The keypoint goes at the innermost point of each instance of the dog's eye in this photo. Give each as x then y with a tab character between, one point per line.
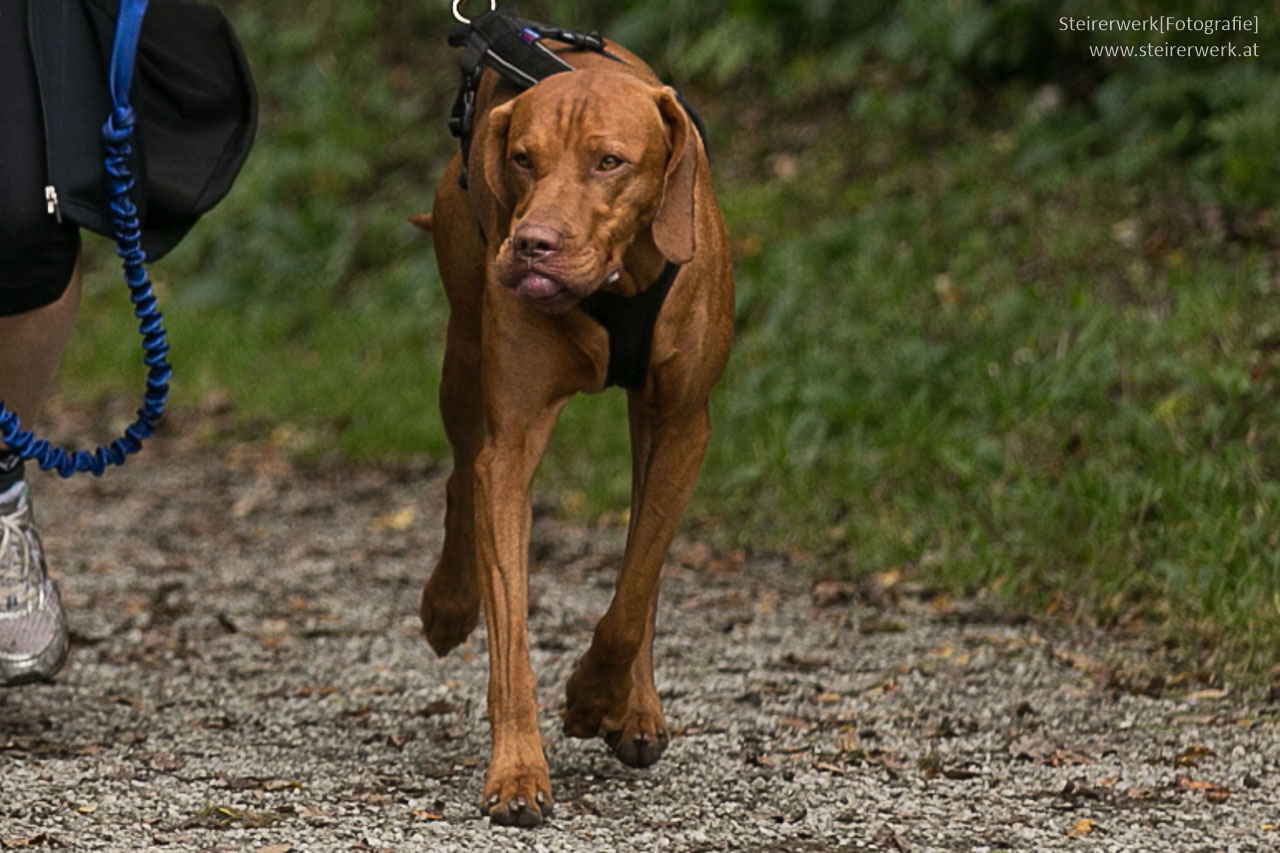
522	160
608	163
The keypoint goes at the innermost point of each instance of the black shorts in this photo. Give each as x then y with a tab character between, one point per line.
37	253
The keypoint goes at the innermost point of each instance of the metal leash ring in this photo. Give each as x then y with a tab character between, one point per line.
493	5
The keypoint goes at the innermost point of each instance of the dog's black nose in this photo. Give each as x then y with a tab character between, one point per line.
536	241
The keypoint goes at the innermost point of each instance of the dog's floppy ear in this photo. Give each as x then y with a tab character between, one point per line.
673	223
494	153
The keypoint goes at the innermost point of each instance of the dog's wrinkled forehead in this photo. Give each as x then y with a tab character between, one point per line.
589	104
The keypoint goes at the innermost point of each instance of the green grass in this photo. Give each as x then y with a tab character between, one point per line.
964	348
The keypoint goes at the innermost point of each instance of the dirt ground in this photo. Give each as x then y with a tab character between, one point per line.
248	673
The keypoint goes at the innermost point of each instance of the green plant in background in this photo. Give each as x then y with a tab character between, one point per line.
1008	314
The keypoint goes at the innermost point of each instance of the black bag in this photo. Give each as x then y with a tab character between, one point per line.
193	95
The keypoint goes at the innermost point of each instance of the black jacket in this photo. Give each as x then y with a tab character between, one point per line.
192	92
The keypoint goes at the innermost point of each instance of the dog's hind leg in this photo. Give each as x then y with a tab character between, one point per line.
450	605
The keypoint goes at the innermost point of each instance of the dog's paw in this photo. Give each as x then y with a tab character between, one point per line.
519	800
587	703
640	742
450	606
633	728
447	621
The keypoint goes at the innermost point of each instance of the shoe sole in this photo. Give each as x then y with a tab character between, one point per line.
40	670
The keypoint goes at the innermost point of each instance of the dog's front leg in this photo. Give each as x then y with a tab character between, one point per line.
611	692
517	788
522	402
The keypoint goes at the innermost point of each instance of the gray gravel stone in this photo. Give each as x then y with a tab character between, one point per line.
248	674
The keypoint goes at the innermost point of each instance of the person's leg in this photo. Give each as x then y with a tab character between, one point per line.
33	625
39	294
31	347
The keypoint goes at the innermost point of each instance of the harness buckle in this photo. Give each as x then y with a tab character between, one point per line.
493	5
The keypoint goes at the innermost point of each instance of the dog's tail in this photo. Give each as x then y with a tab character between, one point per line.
422	220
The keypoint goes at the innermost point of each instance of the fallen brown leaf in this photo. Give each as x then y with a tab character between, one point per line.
795	723
1193	784
357	713
1138	794
319	690
887	579
1192	755
1067	757
439	706
1034	746
729	564
311	812
848	742
961	773
833	593
876	625
1079	662
1081	828
1079	789
804	664
1214	793
399	521
696	555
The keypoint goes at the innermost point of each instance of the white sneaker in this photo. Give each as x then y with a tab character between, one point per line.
33	625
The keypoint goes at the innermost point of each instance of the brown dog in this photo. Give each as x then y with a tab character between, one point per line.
592	180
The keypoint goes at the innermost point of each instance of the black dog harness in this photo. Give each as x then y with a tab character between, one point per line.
513	47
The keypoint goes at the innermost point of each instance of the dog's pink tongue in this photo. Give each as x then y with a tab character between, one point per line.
534	286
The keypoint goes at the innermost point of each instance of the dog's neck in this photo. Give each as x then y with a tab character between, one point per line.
642	263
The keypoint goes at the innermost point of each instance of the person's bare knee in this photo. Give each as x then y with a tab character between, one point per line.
31	346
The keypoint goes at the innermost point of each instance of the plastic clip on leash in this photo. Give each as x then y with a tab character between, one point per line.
117	138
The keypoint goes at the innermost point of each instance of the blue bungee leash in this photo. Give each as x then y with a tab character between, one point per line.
117	138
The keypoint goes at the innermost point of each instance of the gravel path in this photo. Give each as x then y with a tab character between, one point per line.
248	674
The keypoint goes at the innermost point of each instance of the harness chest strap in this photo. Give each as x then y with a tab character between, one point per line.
629	322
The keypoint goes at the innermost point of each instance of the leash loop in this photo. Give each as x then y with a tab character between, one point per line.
493	5
117	139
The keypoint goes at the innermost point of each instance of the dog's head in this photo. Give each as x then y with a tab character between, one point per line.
580	166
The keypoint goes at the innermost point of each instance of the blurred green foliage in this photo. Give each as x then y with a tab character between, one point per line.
1008	313
943	62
